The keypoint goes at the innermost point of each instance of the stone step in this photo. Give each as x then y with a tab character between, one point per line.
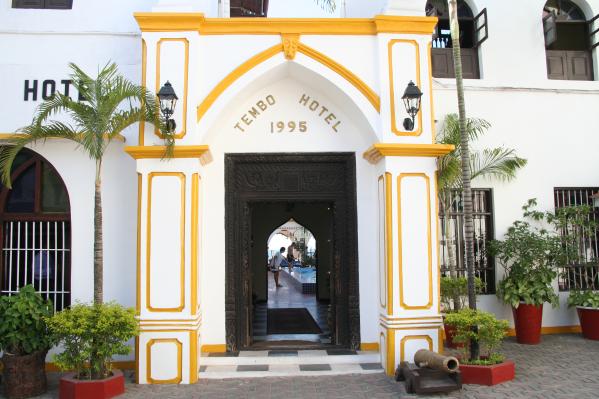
287	370
296	358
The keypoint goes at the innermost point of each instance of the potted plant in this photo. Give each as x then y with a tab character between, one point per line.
90	335
587	306
531	255
454	297
476	325
25	340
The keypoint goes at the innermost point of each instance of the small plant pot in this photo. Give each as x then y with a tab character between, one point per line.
589	322
528	319
450	332
488	375
24	376
73	388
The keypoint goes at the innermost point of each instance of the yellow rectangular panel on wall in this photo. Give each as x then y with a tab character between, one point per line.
414	241
382	255
404	66
169	53
165	251
164	363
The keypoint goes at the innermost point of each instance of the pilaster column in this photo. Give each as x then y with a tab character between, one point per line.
409	305
408	261
168	239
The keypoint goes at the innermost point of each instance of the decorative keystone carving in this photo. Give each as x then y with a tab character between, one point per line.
290	44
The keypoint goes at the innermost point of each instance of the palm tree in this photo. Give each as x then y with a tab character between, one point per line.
495	163
465	162
111	104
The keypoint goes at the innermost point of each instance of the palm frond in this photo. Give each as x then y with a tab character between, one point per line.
327	5
29	135
499	163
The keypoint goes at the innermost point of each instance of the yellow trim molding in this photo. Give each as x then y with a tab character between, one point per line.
402	302
195	183
259	58
389	239
181	306
392	87
233	76
290	42
390	352
552	330
214	348
8	136
159	151
402	343
193	357
183	131
375	153
369	346
138	263
144	62
178	22
179	376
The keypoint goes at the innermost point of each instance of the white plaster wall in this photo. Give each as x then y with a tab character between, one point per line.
556	132
106	16
223	137
119	196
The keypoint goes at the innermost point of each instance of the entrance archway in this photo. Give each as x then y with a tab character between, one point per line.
316	177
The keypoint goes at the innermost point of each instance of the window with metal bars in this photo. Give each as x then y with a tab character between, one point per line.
35	231
44	4
582	275
452	251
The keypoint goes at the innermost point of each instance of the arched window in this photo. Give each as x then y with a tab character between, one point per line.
569	41
473	32
35	231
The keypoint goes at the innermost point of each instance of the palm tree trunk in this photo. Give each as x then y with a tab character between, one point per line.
465	152
98	244
446	200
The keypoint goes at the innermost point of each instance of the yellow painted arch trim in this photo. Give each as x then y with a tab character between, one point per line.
259	58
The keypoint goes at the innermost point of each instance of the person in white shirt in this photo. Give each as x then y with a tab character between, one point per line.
277	262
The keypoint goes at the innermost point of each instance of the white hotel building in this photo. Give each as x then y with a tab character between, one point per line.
295	115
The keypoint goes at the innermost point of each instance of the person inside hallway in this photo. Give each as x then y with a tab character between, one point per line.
277	262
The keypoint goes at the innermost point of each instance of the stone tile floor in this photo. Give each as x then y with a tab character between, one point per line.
562	366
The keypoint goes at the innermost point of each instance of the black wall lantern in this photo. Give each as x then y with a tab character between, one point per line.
168	101
411	100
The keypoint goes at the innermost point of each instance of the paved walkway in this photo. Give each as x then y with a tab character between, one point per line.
562	366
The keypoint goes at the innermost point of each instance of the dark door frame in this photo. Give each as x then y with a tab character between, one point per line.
304	177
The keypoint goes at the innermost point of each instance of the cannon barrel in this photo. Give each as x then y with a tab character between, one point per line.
433	360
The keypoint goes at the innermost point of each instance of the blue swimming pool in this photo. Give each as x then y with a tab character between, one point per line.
304	274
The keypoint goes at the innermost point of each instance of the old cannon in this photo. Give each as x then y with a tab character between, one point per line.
430	373
433	360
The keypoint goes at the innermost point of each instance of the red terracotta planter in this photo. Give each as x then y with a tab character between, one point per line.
449	334
528	319
488	375
72	388
589	322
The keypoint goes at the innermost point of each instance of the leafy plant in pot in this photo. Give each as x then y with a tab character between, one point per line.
587	307
90	336
25	340
454	297
530	255
490	368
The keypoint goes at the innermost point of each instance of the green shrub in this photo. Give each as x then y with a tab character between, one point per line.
90	335
587	299
482	327
454	292
531	254
23	328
